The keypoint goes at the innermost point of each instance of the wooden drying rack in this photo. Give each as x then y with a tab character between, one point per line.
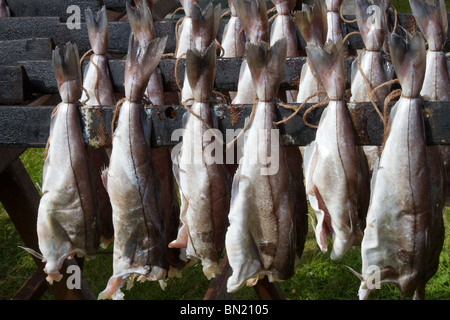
25	118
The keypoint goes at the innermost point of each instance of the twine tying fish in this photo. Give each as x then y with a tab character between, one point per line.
90	51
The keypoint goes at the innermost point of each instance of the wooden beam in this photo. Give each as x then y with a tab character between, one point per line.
14	28
218	287
12	85
48	8
29	126
33	288
25	49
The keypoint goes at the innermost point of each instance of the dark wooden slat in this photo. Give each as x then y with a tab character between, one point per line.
21	201
52	27
268	290
57	8
33	288
12	85
25	49
29	126
218	287
9	155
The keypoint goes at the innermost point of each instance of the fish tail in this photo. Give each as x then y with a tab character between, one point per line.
205	25
253	16
142	60
97	26
267	67
328	64
66	66
312	22
141	22
432	21
371	19
187	6
409	59
201	70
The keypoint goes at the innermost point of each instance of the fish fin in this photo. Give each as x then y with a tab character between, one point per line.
205	25
328	64
432	21
97	26
312	22
187	6
360	276
33	253
66	65
409	60
201	70
141	22
253	17
142	60
267	67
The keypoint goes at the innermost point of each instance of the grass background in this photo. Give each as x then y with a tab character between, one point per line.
317	277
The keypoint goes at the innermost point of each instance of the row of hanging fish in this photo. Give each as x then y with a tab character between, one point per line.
255	210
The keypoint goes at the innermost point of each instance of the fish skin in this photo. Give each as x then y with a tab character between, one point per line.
334	32
261	237
185	36
204	184
336	170
68	211
312	23
132	183
401	211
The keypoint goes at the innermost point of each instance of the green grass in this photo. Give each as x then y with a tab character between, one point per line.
403	5
317	277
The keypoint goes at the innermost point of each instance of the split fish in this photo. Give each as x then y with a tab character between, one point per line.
398	244
67	222
143	28
98	91
261	237
312	24
131	181
204	182
432	20
377	70
336	170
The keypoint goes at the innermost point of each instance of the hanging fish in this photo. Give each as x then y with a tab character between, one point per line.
98	91
204	182
131	181
312	24
261	237
142	26
432	20
67	222
336	170
253	16
374	67
185	29
396	244
334	21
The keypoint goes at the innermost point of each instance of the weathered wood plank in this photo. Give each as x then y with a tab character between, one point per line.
25	49
29	126
48	8
12	85
41	77
33	288
56	29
